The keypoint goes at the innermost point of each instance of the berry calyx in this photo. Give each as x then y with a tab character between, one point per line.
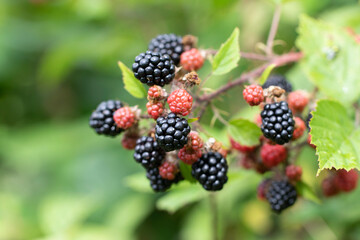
180	102
299	128
168	170
241	148
272	155
191	60
346	180
253	95
293	172
124	117
297	101
281	195
155	110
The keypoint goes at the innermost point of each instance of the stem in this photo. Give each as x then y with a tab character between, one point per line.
246	55
214	212
273	30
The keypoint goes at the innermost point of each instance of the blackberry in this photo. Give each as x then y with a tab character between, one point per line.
169	44
153	68
171	132
102	118
159	184
210	170
277	80
277	122
148	152
281	195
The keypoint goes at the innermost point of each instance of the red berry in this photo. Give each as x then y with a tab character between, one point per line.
180	102
241	148
293	172
308	140
191	152
346	180
260	168
272	155
129	141
124	117
247	162
261	189
299	128
155	93
297	101
155	109
328	187
168	170
253	95
191	60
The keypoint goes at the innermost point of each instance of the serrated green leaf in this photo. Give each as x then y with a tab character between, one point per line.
132	85
336	139
228	55
266	74
185	170
181	196
331	59
306	192
244	131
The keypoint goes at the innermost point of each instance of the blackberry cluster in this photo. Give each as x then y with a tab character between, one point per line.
281	195
277	80
171	132
169	44
148	152
277	122
159	184
210	170
154	68
102	118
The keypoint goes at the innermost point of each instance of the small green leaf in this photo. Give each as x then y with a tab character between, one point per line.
181	196
336	139
244	131
228	56
266	74
305	190
138	182
132	85
185	170
191	120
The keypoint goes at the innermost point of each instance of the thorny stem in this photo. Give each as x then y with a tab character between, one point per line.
214	212
273	30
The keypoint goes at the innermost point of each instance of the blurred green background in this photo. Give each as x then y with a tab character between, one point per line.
59	180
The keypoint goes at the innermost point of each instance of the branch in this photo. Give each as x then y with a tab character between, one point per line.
246	55
273	30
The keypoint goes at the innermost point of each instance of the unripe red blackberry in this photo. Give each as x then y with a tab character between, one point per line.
247	162
191	60
124	117
169	44
253	95
155	110
191	152
329	188
281	195
156	93
299	128
293	172
180	102
272	155
129	140
297	101
241	148
261	189
346	180
168	170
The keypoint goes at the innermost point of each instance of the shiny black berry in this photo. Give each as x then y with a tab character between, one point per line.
159	184
102	118
210	170
148	153
171	132
277	122
277	80
281	195
153	68
169	44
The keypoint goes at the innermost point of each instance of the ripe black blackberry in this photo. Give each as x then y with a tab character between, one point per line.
210	170
277	80
171	132
159	184
148	152
102	118
277	122
154	68
169	44
281	195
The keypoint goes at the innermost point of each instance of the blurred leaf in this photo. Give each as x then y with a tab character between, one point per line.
139	182
132	85
191	120
244	131
305	191
228	55
180	196
266	74
331	59
333	133
185	170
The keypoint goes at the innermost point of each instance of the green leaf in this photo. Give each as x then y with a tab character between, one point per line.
336	139
244	131
305	190
185	170
132	85
180	196
331	59
266	74
228	56
191	120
